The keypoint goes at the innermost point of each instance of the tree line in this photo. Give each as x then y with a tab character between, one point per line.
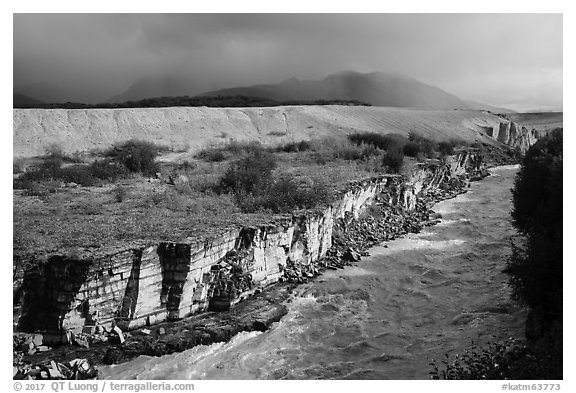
220	101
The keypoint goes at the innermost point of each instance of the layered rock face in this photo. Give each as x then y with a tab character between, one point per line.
515	136
509	133
168	281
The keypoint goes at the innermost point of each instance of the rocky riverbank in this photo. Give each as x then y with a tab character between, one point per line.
385	220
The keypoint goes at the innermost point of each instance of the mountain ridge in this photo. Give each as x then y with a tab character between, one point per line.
376	88
387	89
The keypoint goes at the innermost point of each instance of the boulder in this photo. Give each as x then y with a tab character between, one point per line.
81	340
89	329
351	255
118	332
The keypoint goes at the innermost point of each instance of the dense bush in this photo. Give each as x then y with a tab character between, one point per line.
107	169
411	149
330	149
137	156
82	174
381	141
222	152
351	152
250	174
251	181
427	146
393	160
447	148
51	169
79	174
211	155
536	269
414	146
132	156
294	147
289	193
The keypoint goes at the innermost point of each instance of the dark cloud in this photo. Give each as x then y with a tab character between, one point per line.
500	59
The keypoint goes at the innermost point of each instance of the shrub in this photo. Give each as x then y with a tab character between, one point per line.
217	153
293	147
107	169
343	149
349	152
137	156
251	181
249	174
211	155
186	166
51	170
426	146
79	174
393	160
42	190
508	359
446	148
536	271
289	193
411	149
383	142
369	151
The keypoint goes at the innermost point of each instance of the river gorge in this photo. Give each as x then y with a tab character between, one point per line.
412	300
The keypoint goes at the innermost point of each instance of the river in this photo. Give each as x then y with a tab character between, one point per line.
412	300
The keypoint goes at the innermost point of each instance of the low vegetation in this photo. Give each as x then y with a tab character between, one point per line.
252	181
415	145
225	151
508	359
130	157
137	156
132	191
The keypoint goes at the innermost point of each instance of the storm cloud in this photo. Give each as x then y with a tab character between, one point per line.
510	60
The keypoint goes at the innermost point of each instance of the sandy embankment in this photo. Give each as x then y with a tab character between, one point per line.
191	128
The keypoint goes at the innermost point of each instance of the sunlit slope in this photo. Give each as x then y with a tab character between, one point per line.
191	128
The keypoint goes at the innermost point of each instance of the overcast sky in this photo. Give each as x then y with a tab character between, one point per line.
509	60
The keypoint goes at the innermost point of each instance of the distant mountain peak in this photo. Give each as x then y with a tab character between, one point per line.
377	88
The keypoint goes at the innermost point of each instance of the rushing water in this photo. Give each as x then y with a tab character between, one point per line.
413	300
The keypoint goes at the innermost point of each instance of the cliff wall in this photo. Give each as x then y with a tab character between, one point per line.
168	281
